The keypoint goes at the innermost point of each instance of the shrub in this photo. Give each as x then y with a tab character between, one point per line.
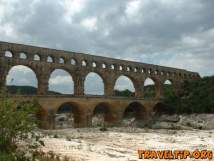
18	139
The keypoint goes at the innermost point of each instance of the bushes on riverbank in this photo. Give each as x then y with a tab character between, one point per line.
18	139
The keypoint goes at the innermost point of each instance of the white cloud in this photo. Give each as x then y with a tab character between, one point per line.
132	8
191	41
124	83
1	12
93	84
61	81
191	62
73	7
62	84
148	81
66	80
21	76
8	31
90	23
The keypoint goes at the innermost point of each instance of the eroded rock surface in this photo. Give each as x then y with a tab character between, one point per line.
193	121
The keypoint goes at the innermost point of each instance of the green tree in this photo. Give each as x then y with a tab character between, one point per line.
16	126
19	139
124	93
197	97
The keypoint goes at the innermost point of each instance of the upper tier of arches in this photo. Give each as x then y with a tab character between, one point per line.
58	79
100	64
79	66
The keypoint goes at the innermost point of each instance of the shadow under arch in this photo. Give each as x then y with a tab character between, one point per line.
26	80
135	110
102	114
161	108
135	114
68	115
127	91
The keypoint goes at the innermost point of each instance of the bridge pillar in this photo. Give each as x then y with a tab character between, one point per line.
50	119
159	90
109	90
3	73
78	85
149	105
43	78
139	88
42	86
2	77
45	118
84	121
177	89
108	87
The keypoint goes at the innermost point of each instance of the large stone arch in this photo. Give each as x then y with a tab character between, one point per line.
40	70
102	114
169	87
158	86
51	69
101	80
30	66
8	54
68	73
134	114
168	80
73	114
129	78
32	69
176	85
161	108
150	83
135	109
108	80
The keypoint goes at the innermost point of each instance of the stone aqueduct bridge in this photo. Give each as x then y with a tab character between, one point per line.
44	61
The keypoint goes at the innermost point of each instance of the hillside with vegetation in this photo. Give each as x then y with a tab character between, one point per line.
197	97
124	93
28	90
149	91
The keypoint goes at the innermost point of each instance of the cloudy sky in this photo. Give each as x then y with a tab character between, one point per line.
176	33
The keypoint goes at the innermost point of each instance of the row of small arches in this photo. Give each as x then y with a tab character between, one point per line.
37	57
84	63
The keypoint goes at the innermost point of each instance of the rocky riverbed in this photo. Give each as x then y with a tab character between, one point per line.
193	121
121	143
